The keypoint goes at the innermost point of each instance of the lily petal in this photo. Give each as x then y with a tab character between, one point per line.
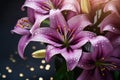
114	39
51	51
39	19
57	20
86	75
31	15
72	58
114	58
97	4
71	5
35	5
20	31
79	22
81	38
101	47
47	35
86	61
22	45
22	26
111	23
113	6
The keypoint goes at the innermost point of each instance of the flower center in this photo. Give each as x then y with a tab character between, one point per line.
98	63
66	36
105	65
66	43
24	23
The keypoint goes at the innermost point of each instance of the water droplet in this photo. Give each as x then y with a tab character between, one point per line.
96	45
76	59
114	28
90	35
25	43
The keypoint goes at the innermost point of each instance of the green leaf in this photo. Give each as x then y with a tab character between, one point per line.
46	22
61	70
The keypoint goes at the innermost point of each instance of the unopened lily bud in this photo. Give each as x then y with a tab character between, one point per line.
85	6
39	54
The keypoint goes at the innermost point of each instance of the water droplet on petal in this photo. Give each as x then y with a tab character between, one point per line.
96	45
113	28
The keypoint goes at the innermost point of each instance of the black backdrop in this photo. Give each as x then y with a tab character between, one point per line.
12	67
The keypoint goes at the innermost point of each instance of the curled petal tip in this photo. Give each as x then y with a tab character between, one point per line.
39	54
12	31
22	8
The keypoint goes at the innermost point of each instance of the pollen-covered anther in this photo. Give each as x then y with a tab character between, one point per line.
69	29
65	12
64	27
57	30
103	74
102	58
73	36
24	20
21	26
58	27
114	66
102	69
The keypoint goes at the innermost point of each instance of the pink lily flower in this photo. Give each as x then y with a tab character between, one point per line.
111	23
42	8
65	38
23	28
99	64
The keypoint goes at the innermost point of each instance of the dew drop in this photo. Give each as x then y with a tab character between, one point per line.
96	45
113	28
76	59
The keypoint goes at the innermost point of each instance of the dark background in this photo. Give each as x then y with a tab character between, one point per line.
10	12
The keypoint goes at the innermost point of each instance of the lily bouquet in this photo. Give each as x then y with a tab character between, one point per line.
83	36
